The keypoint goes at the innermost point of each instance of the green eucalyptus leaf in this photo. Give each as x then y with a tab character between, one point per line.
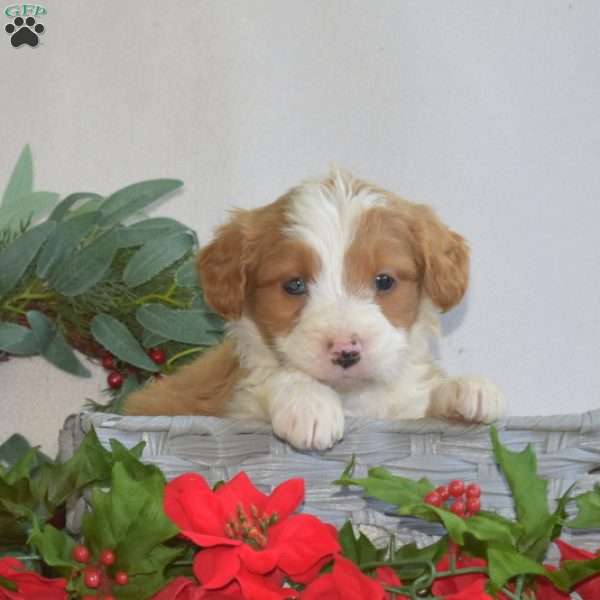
187	275
29	208
149	339
149	229
187	326
63	241
155	256
19	254
117	339
18	340
86	267
21	180
53	346
13	449
133	198
62	209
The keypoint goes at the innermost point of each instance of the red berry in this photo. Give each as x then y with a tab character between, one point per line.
108	362
114	380
107	558
456	488
473	506
473	491
442	490
433	498
158	356
458	508
92	578
81	554
121	578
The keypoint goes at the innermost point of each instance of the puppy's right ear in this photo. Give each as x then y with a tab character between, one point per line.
222	268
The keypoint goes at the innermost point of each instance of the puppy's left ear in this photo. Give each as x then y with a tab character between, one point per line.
445	259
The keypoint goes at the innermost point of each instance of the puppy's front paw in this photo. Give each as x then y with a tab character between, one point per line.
309	417
471	399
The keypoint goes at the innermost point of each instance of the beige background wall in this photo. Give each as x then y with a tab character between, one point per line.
486	110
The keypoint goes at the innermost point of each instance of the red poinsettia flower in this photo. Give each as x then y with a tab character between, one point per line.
247	534
451	587
589	589
345	582
387	576
17	583
183	588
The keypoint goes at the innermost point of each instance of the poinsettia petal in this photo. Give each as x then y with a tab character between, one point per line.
193	506
453	585
354	584
240	490
544	588
216	567
259	561
180	588
285	498
304	540
322	588
256	587
474	591
568	552
311	573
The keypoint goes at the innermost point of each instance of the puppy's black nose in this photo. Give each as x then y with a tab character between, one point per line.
346	359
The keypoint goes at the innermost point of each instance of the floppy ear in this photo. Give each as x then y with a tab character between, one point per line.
445	259
222	268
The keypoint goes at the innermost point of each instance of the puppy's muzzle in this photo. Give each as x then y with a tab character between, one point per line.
346	359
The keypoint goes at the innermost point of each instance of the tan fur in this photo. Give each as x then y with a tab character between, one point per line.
201	388
444	255
382	244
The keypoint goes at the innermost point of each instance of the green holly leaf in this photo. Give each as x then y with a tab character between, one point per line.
530	496
588	515
415	559
90	463
359	550
505	563
55	546
572	572
129	518
381	484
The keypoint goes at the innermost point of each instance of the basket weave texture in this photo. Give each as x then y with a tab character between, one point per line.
567	447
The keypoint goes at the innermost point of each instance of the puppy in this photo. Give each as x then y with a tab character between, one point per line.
332	294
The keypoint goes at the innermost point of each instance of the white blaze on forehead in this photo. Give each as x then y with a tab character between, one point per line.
325	216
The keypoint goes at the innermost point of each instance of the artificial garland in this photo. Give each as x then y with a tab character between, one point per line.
183	540
98	276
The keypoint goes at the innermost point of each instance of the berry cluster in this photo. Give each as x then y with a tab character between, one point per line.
96	576
116	377
464	499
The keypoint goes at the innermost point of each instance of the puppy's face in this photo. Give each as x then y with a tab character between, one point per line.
333	275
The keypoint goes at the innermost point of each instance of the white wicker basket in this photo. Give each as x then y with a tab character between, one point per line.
567	446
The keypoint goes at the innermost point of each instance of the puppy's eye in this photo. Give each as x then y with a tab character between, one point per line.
295	287
384	282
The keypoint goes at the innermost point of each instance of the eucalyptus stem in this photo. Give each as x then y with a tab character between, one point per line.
182	354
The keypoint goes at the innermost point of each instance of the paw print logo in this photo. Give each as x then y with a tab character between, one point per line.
24	32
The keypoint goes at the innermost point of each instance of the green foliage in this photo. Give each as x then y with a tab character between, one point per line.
93	257
588	515
117	339
512	549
